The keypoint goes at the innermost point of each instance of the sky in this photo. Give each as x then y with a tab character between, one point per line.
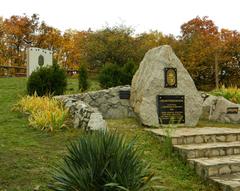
166	16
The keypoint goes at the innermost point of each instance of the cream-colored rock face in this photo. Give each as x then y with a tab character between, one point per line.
148	82
216	109
37	57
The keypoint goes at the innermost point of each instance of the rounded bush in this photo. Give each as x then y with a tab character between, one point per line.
111	75
128	70
102	161
49	80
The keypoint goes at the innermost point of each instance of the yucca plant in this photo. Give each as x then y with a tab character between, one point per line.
102	161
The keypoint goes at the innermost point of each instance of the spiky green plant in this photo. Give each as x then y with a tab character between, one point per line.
102	161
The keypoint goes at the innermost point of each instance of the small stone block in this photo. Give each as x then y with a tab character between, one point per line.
231	138
174	141
225	170
190	140
235	168
179	141
229	151
212	171
184	139
220	138
214	153
236	151
213	138
222	152
208	139
198	139
191	154
207	153
199	154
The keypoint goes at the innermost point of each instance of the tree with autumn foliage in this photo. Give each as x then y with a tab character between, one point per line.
110	45
17	31
73	52
229	57
198	44
3	49
48	37
146	41
20	32
210	55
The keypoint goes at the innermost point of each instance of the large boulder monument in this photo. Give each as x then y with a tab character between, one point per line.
163	92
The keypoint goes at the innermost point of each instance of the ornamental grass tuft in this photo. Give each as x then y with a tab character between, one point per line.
44	112
230	93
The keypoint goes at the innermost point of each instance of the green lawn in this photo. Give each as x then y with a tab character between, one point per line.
26	154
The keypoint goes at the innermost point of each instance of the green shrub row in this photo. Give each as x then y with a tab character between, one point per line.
113	75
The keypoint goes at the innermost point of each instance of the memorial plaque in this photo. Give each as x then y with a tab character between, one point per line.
171	109
232	110
170	76
124	94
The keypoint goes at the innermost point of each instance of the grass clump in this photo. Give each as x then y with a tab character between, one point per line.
102	161
44	113
167	146
230	93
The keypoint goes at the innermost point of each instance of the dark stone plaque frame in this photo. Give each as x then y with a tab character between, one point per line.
232	110
40	60
166	84
124	94
168	115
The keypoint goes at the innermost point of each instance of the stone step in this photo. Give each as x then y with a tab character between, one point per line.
213	152
181	136
229	182
207	167
208	149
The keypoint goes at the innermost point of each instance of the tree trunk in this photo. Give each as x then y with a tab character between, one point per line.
216	71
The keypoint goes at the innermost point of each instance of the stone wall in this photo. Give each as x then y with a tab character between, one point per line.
84	116
106	101
89	109
217	108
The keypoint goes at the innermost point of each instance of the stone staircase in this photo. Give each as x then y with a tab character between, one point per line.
213	152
